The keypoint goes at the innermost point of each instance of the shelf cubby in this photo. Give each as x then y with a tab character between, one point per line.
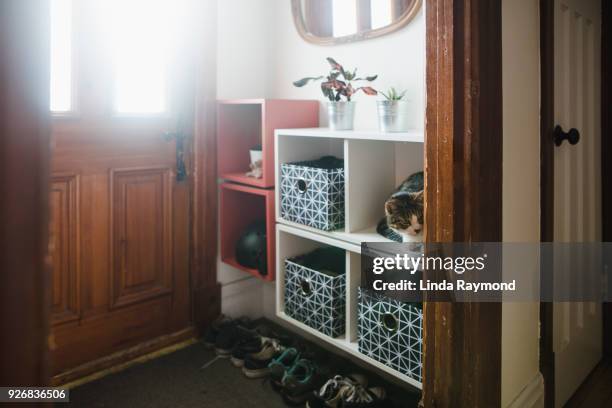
375	163
293	241
245	123
240	207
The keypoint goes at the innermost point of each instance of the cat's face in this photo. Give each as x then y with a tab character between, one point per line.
405	213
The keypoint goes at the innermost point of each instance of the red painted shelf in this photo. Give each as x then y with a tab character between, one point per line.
240	206
244	124
241	125
242	178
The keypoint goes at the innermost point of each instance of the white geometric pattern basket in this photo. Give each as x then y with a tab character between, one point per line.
315	299
391	332
312	196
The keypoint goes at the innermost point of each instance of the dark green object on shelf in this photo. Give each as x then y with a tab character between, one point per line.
251	247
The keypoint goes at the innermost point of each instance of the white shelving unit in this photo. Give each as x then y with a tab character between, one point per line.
374	164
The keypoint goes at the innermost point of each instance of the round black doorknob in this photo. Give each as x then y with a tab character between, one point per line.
573	136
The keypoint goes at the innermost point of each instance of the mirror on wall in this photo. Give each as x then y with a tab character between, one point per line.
340	21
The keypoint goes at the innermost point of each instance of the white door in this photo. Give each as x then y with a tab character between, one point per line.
577	326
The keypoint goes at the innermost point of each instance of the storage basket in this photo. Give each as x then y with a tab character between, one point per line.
312	193
391	332
316	297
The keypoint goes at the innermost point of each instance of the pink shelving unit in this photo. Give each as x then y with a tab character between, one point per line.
246	123
240	207
241	125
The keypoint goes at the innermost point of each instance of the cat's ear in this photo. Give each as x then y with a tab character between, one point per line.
418	196
391	206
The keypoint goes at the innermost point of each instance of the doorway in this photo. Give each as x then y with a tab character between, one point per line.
120	192
574	180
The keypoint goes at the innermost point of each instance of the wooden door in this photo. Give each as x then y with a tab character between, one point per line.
577	193
119	216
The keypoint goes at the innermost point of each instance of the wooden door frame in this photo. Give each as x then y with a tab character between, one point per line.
547	182
547	176
463	162
205	290
24	184
606	153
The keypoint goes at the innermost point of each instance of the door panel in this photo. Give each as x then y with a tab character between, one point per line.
577	196
64	248
121	218
141	240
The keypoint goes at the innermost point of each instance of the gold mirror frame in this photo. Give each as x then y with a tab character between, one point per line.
300	25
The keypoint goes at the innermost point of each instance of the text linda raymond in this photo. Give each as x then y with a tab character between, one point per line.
412	264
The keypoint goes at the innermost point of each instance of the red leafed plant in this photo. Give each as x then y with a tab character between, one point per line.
335	88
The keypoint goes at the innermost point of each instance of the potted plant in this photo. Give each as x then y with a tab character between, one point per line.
393	111
338	85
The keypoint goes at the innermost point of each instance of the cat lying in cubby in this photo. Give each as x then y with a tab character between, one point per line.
403	221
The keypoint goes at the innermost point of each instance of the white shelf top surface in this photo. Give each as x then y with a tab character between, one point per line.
413	135
353	238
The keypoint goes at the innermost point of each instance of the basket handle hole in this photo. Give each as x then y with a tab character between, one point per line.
302	186
306	288
389	322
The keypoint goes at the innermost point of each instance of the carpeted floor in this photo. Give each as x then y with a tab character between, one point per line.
177	380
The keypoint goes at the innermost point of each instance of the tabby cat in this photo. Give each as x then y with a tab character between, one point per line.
404	212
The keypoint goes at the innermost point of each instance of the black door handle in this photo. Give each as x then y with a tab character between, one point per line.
573	136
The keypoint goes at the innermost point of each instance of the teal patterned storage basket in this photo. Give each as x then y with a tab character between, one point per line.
391	332
311	195
315	298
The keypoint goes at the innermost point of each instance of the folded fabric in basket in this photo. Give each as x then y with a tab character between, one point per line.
328	260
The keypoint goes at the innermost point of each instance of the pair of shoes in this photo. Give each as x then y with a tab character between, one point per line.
301	380
255	343
255	364
234	334
210	336
348	392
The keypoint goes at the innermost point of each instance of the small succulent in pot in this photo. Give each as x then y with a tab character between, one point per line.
393	111
393	94
338	85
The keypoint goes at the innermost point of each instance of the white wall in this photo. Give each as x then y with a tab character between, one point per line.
398	59
521	184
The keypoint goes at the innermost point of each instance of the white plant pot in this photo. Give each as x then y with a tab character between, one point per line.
393	116
341	115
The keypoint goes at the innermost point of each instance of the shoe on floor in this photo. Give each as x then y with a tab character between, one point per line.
301	380
210	336
361	397
256	364
245	347
334	391
231	334
281	364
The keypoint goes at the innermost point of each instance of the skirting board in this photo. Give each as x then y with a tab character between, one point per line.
532	396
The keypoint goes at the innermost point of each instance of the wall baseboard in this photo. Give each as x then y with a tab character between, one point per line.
532	396
122	357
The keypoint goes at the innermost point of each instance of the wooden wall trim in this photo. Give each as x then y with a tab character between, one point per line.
547	182
463	150
606	153
24	188
206	292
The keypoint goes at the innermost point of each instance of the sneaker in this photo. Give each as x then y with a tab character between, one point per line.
245	347
334	391
210	336
300	381
361	397
256	364
231	334
281	364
